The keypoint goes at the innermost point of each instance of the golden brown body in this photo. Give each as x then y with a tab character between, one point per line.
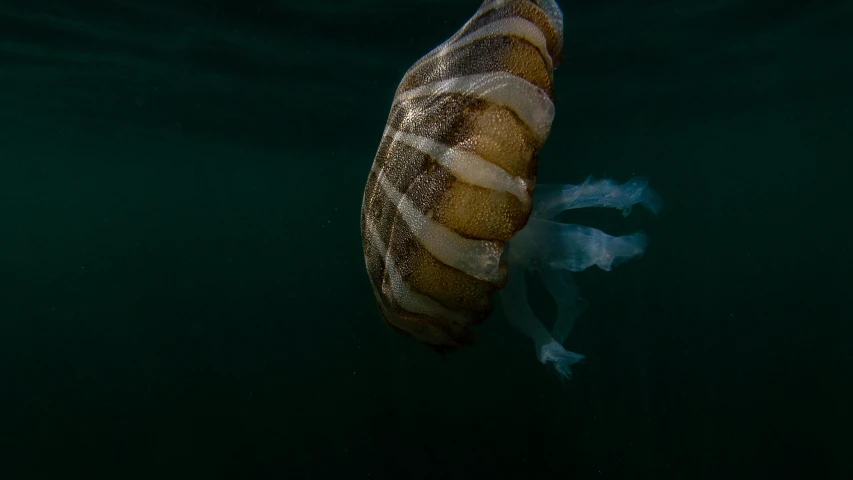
453	177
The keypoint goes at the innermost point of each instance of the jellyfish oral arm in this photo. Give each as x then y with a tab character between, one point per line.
548	344
546	244
553	199
553	249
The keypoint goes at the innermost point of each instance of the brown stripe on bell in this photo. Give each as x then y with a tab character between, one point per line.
438	334
431	192
527	10
424	275
494	53
408	171
450	287
472	124
413	172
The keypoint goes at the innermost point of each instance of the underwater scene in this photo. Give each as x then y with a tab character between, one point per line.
431	239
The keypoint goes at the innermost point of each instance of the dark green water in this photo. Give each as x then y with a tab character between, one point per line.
183	292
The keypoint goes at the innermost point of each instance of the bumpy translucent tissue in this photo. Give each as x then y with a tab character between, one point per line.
552	249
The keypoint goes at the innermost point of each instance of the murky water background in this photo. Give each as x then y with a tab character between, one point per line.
183	288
